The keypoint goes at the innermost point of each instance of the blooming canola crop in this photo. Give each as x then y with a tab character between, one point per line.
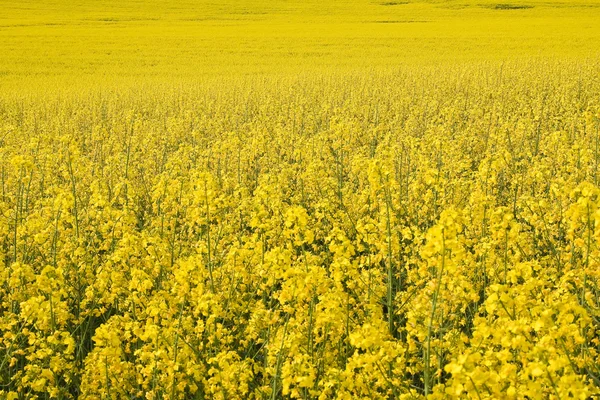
300	227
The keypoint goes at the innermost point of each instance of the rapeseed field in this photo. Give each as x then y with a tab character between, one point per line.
299	200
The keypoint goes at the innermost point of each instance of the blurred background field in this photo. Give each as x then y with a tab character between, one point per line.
78	41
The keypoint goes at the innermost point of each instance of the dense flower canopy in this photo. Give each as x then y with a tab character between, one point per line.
416	233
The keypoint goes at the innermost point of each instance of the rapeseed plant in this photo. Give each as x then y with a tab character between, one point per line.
199	221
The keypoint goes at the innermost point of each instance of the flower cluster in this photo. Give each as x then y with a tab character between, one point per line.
410	235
